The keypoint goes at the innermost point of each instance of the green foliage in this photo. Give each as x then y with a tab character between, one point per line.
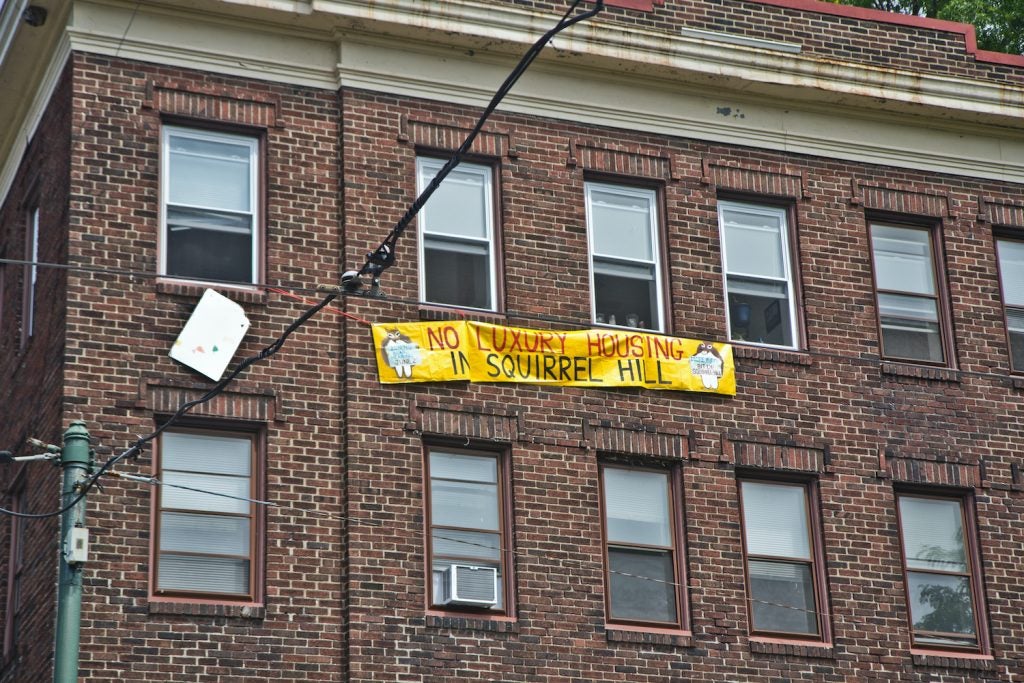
999	24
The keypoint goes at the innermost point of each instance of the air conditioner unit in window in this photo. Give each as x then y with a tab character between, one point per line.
468	585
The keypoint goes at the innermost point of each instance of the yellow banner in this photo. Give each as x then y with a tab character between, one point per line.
447	351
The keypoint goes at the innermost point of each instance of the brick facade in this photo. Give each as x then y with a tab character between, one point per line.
345	575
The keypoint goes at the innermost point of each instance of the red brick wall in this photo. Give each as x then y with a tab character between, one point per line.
828	412
32	377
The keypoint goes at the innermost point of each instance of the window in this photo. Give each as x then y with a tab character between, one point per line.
207	545
785	578
469	527
1011	277
210	205
643	533
457	244
760	301
15	570
625	264
28	320
910	315
939	561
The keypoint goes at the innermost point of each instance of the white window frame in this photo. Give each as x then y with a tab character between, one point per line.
31	274
426	170
782	214
651	197
253	143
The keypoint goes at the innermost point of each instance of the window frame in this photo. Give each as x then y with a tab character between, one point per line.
257	516
256	141
15	567
31	274
505	530
654	193
941	297
972	555
1007	235
819	576
490	171
677	524
786	210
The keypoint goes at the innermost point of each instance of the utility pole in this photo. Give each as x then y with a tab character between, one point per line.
76	463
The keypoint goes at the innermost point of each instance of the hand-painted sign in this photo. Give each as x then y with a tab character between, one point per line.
479	352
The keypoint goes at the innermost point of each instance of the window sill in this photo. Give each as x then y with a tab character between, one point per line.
495	624
799	648
771	354
429	312
619	633
920	371
953	660
208	609
252	295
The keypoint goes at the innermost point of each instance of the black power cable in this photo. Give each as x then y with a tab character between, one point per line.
383	257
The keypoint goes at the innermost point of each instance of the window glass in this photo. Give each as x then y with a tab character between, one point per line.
1011	271
782	583
457	243
467	524
903	259
205	524
758	275
775	516
636	504
642	539
210	201
940	585
625	271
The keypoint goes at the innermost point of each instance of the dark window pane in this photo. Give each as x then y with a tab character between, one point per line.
759	312
621	300
457	277
647	593
209	245
1017	350
912	340
782	597
940	603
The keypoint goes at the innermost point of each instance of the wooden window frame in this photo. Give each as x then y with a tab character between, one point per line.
493	199
941	296
809	486
256	139
1007	235
791	259
15	567
673	474
972	553
257	517
658	243
506	512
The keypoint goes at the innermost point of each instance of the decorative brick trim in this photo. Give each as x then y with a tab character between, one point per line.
936	470
920	372
814	650
773	355
627	160
615	635
642	5
252	405
779	181
471	624
1000	213
443	135
207	610
767	455
951	661
214	103
900	200
635	438
485	423
196	291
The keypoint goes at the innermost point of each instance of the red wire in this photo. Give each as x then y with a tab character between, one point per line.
310	301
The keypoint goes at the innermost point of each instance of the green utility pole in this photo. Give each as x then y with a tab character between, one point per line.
76	462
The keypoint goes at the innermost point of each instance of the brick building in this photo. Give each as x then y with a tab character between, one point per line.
830	195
